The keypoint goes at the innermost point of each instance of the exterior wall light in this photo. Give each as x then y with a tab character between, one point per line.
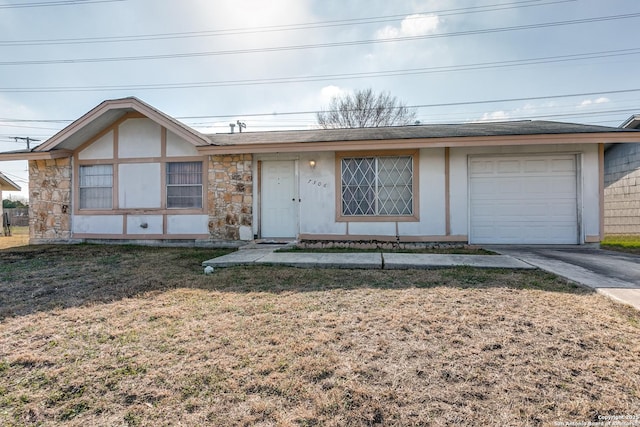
312	164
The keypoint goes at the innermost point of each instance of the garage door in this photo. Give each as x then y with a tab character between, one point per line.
526	200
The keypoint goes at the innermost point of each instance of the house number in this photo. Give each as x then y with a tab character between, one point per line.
317	183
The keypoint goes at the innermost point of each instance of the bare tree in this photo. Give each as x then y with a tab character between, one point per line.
365	109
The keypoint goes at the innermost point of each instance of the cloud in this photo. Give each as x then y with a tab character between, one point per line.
493	116
327	93
588	102
412	25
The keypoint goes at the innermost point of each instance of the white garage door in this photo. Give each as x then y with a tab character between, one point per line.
523	199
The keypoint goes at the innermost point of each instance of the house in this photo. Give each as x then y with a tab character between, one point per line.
622	185
6	185
128	172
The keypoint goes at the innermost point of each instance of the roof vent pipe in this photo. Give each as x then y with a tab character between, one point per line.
232	126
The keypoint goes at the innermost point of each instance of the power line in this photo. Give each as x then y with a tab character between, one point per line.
446	104
320	45
325	77
280	28
55	3
439	105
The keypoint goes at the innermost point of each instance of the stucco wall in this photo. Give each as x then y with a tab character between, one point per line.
50	199
317	213
230	197
318	206
622	189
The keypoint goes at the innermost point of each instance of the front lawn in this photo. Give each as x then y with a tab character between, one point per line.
629	244
129	336
19	237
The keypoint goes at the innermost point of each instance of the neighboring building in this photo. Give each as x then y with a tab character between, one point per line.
622	185
6	185
126	171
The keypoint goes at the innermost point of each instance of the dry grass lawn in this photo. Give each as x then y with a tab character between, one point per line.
126	336
19	237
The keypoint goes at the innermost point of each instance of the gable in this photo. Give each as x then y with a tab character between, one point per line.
109	112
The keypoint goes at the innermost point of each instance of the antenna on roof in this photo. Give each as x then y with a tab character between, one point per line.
241	125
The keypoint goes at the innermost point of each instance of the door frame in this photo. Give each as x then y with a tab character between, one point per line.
296	189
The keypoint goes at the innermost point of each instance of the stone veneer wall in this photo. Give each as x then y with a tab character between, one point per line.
622	189
230	197
50	199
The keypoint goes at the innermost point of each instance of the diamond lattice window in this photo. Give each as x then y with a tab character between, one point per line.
377	186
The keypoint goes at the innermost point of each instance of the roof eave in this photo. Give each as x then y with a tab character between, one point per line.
36	155
392	144
632	122
8	185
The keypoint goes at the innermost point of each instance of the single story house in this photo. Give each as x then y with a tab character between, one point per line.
6	185
622	185
127	172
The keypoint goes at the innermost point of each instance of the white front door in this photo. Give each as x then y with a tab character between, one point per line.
278	200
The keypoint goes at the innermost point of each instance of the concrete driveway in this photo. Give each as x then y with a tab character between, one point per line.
614	274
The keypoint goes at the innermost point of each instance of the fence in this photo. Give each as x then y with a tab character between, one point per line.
18	217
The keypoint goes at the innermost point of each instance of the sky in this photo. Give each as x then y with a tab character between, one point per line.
271	64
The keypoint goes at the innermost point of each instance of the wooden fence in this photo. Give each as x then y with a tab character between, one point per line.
18	217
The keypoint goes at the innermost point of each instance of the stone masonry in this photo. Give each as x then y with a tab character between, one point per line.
622	190
230	196
50	199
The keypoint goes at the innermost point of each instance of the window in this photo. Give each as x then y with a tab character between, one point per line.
377	186
96	187
184	185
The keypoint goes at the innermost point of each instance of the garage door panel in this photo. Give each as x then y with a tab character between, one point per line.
508	166
526	199
566	165
535	166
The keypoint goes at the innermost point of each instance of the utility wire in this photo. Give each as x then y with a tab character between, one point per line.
321	45
55	3
325	77
280	28
446	104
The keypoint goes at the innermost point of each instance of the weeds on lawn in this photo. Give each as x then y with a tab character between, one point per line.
630	244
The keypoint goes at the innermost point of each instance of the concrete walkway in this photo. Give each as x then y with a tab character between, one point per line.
609	273
363	260
614	274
